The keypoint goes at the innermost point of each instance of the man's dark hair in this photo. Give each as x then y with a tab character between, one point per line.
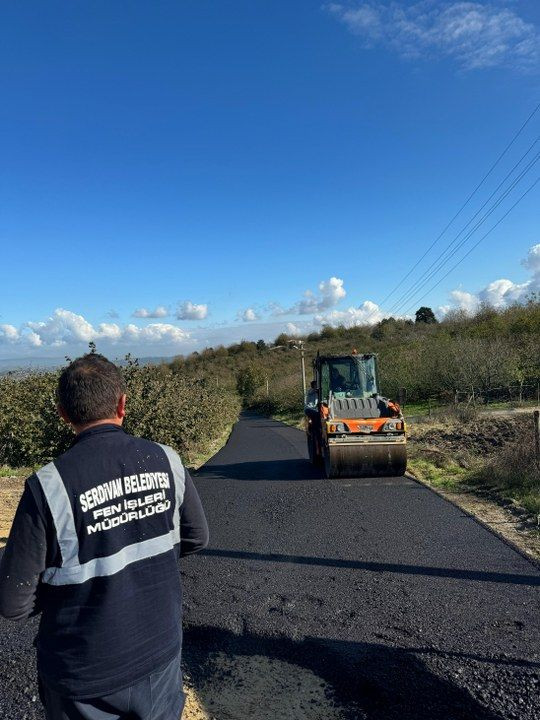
89	389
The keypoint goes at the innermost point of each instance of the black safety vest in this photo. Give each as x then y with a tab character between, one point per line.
111	593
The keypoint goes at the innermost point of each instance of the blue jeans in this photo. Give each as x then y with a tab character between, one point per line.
158	696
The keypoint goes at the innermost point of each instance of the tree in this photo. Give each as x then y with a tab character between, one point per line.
328	332
261	346
282	339
248	381
425	315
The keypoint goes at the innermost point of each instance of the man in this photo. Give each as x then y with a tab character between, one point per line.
338	382
94	548
312	395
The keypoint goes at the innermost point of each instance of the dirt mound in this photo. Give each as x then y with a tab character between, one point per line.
483	435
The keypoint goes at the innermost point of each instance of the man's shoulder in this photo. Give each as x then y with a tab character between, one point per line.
153	447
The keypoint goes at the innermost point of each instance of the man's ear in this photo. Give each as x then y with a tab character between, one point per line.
121	407
60	410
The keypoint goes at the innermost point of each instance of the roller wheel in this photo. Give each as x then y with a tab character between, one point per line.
365	461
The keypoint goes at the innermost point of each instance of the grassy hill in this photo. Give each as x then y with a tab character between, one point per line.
493	355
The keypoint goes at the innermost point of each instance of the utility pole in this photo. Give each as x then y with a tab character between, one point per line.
536	420
303	361
300	346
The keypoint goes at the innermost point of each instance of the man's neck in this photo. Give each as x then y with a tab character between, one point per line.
107	421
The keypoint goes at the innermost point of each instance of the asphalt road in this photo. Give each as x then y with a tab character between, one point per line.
410	607
405	604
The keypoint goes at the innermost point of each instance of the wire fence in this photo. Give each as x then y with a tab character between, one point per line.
285	391
475	397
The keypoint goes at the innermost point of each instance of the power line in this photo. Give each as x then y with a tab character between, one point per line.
404	297
477	243
473	193
423	280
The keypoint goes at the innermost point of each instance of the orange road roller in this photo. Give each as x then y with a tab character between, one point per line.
352	430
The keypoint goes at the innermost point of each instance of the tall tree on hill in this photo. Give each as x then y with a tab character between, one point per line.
425	315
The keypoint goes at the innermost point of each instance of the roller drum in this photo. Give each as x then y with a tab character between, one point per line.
365	460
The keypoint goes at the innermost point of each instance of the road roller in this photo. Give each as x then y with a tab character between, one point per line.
352	430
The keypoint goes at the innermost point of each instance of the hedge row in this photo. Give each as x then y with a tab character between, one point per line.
162	406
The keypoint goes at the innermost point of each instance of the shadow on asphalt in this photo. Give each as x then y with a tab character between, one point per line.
380	567
370	681
282	470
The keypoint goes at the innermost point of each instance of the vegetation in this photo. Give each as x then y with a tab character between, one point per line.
491	356
482	453
513	472
162	405
192	401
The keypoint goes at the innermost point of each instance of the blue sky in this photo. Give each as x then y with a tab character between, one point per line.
177	174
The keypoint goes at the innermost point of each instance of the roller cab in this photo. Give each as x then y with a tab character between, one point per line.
352	430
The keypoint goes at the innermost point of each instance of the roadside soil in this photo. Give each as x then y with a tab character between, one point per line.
463	443
458	440
10	491
239	687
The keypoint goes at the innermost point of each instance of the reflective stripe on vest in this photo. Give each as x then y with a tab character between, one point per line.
72	571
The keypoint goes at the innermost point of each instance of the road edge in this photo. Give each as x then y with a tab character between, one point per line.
487	526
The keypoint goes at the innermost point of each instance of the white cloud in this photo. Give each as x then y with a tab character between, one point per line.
8	333
499	293
330	292
159	312
293	329
475	34
368	313
463	301
532	261
248	315
191	311
64	327
154	333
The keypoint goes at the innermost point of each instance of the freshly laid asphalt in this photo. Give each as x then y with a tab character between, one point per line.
408	606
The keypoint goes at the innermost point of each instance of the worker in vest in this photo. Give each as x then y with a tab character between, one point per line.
94	548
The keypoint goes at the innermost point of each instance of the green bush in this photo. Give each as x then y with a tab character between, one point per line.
189	414
30	430
249	382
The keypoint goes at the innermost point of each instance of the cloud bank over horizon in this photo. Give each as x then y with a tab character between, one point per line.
500	293
68	329
71	332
